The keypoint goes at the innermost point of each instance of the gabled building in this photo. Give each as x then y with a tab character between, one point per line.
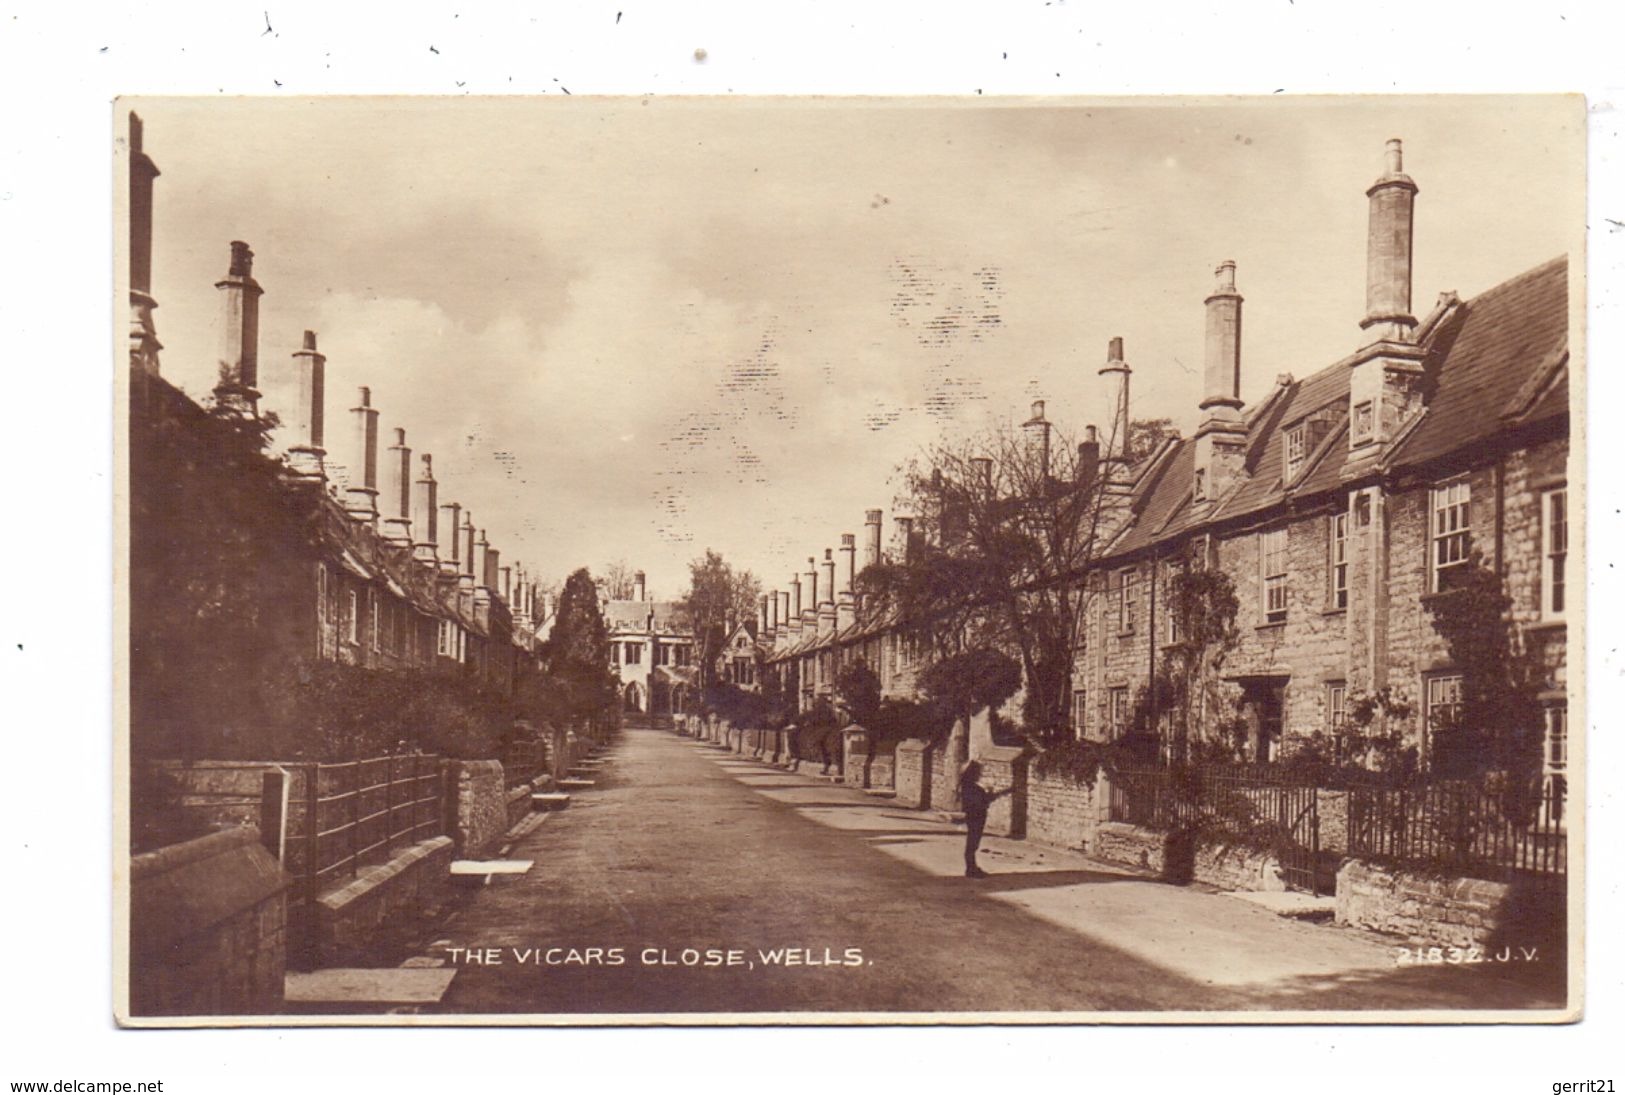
1341	502
651	646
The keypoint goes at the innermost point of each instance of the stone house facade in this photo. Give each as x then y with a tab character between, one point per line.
1342	502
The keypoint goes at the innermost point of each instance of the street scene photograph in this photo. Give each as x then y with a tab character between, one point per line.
733	561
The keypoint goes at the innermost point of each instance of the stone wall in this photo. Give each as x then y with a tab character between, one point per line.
914	773
1062	812
855	756
1451	911
1175	860
479	805
383	902
1332	807
882	770
1004	767
208	924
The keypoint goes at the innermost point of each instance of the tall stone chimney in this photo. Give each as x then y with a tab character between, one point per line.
363	493
827	587
426	511
1221	439
846	604
1088	458
773	616
451	518
871	537
1116	375
640	587
1388	250
1038	428
238	386
398	490
306	454
790	608
1385	385
467	557
486	561
507	584
809	610
761	614
983	467
144	344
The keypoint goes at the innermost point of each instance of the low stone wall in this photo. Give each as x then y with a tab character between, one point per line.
1453	911
208	927
1175	859
519	803
1063	812
855	756
1005	767
479	805
390	898
882	770
914	773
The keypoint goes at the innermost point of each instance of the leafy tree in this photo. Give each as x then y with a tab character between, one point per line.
1202	604
718	597
1010	520
1145	434
858	689
1498	727
577	652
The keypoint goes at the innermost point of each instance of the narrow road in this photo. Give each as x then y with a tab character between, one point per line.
815	898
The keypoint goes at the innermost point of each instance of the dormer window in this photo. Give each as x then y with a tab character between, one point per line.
1199	491
1365	420
1297	449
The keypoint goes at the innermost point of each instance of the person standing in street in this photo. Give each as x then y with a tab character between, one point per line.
975	800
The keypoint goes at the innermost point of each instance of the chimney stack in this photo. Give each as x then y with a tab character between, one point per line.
1221	439
871	537
793	602
640	586
363	500
485	563
144	344
1088	458
761	614
398	491
1388	251
827	588
983	466
773	616
306	454
1116	374
468	570
783	624
424	526
1221	397
905	535
811	590
240	341
451	515
849	556
507	585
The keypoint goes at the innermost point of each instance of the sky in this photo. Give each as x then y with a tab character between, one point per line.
637	328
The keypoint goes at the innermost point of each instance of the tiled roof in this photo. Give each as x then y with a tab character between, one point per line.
1497	360
634	616
1489	351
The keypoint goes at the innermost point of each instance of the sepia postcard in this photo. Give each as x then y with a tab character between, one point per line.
680	561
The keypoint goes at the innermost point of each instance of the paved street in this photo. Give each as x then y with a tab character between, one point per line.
685	846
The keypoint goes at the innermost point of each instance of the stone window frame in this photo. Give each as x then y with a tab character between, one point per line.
633	653
1450	530
1363	422
1337	714
1199	486
1080	711
1337	561
1436	700
323	608
1554	526
1117	711
375	612
1126	590
352	623
1273	565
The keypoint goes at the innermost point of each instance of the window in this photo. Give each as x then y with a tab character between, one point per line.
1127	579
1555	754
1443	702
1272	555
1554	506
324	611
1297	450
634	653
1364	420
1452	532
1337	705
1173	622
443	638
682	655
1338	550
662	654
1117	711
352	624
375	631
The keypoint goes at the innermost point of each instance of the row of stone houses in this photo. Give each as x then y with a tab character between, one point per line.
1337	505
351	562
